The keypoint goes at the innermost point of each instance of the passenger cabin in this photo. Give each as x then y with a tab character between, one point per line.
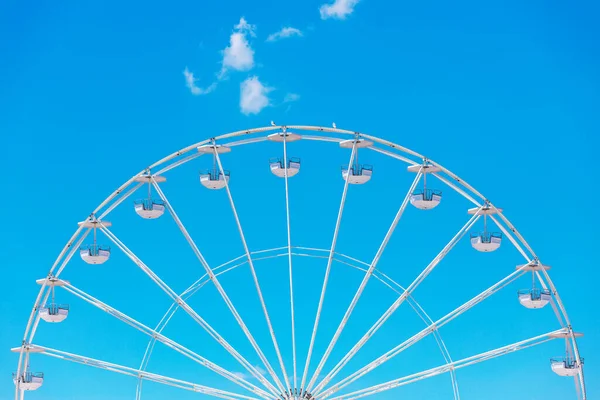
485	241
425	199
149	208
278	168
214	179
534	298
95	253
357	174
566	366
53	312
29	380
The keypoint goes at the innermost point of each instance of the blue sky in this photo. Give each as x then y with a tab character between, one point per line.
505	94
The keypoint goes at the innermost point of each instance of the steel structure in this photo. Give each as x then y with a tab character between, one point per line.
300	382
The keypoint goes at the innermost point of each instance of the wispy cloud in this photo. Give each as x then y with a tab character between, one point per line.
239	55
246	376
260	370
190	82
288	99
284	33
291	97
253	96
339	9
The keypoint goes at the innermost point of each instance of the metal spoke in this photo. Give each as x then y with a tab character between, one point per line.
190	311
255	277
194	387
219	287
165	340
365	280
434	326
388	313
327	270
465	362
289	248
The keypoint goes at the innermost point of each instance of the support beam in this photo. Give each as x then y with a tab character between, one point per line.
465	362
327	271
290	268
120	369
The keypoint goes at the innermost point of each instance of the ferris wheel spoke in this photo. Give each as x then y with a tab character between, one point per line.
465	362
327	271
431	328
289	251
365	280
257	285
220	288
190	311
194	387
165	340
388	313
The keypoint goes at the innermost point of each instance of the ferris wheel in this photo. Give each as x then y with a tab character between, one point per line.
328	365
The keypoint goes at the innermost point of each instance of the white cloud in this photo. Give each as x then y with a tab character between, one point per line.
260	370
190	82
245	27
242	375
253	96
291	97
286	32
339	9
239	55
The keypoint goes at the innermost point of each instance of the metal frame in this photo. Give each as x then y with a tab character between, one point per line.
323	134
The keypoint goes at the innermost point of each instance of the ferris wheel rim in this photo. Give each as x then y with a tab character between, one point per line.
450	179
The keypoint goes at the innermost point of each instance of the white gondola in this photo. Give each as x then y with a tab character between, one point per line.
29	380
149	208
95	254
426	199
534	298
566	366
357	174
486	241
214	179
54	312
278	168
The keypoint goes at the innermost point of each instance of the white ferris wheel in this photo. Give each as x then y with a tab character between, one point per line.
323	365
